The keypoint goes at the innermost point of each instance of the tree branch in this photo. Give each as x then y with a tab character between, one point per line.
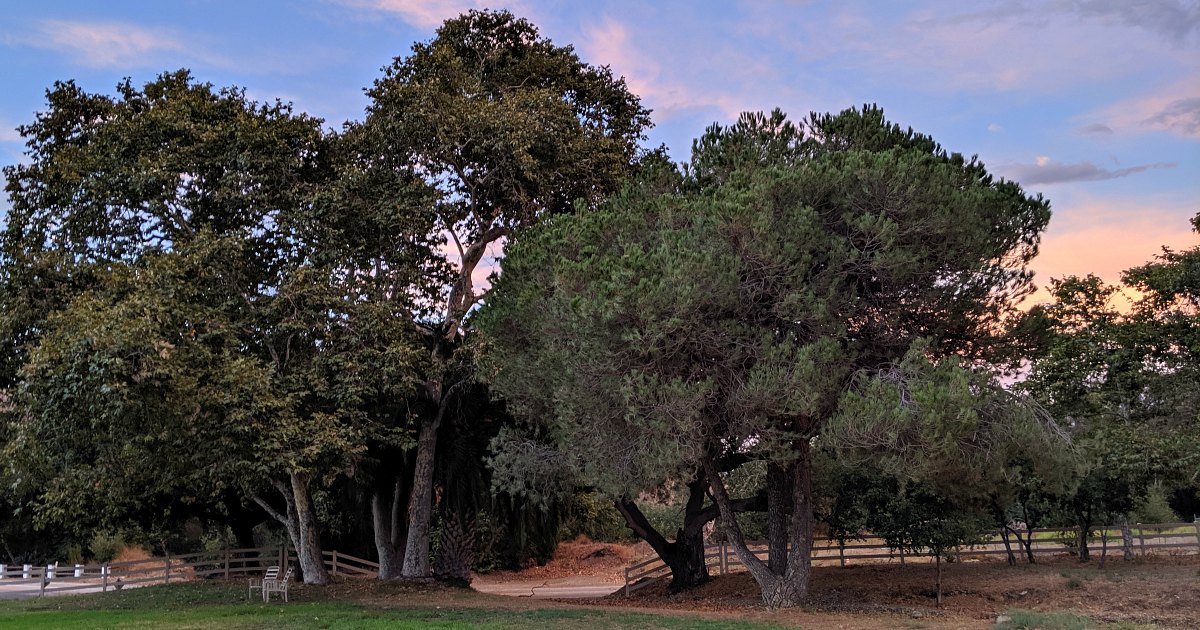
270	510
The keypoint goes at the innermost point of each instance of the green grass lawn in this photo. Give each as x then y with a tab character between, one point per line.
224	605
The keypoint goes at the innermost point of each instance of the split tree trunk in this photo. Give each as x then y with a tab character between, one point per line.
789	588
385	517
1012	559
301	524
685	555
1081	538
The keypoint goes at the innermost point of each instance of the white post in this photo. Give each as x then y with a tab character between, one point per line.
104	578
79	570
25	570
3	571
50	571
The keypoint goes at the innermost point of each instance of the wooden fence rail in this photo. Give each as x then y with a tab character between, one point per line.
225	563
1147	539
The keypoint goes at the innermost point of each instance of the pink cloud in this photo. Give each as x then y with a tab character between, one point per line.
1173	108
609	42
102	44
428	14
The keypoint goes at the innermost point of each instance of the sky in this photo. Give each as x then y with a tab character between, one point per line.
1093	103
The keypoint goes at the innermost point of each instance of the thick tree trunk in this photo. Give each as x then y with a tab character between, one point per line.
684	556
1126	536
307	538
385	516
420	504
779	490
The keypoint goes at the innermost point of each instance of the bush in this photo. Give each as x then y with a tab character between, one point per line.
105	546
1155	509
593	515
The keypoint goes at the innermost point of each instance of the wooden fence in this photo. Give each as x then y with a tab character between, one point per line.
226	563
1146	539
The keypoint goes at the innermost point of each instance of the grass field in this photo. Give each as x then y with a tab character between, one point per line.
224	605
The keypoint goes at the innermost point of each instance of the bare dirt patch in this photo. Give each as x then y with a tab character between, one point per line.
1162	590
579	557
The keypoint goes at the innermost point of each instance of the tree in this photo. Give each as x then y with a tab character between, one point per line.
1123	383
210	211
731	318
508	129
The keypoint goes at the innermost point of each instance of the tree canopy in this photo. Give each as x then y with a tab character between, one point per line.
732	315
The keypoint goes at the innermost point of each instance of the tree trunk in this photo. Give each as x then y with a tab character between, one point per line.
385	516
301	524
1030	525
791	588
1103	546
420	505
1082	540
308	539
1012	559
778	496
684	556
938	562
1126	536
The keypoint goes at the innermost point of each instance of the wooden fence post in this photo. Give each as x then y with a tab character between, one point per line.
225	561
722	549
42	587
1196	523
335	566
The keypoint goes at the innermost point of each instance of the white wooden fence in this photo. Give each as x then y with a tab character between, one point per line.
25	580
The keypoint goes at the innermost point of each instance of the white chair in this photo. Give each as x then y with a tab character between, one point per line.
255	583
278	585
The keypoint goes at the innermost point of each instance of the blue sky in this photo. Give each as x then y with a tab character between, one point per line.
1095	103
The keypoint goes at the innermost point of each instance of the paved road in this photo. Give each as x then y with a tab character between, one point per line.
581	587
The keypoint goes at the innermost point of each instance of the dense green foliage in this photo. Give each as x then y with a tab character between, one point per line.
730	313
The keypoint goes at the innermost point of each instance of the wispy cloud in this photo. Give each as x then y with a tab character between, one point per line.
1178	20
1182	116
674	90
1096	129
1046	171
107	44
427	14
1174	109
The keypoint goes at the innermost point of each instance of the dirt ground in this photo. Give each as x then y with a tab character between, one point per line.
1161	590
